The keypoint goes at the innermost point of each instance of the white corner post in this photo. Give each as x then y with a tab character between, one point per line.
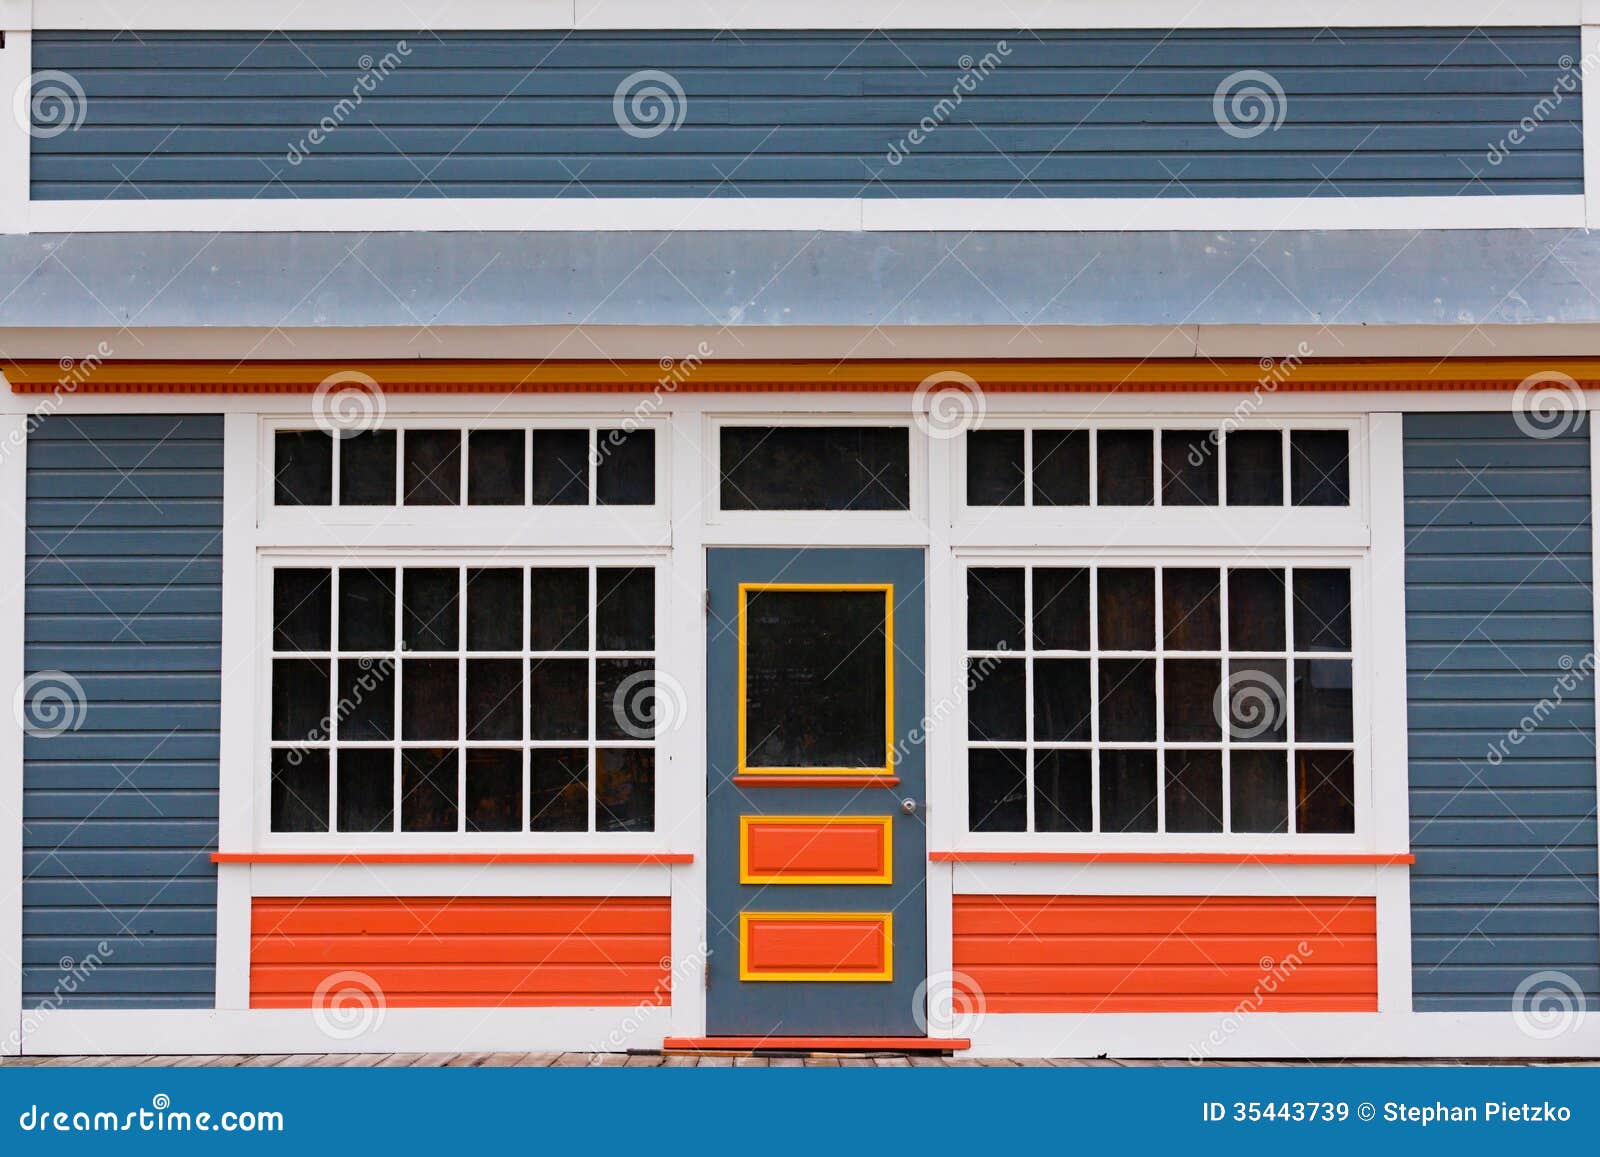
13	574
16	64
1590	78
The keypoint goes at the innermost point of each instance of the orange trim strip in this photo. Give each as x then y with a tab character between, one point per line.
451	858
1294	858
862	376
903	1044
816	781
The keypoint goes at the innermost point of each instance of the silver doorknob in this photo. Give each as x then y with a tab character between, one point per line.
909	806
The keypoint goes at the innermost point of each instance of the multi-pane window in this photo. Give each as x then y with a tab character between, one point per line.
1172	698
450	467
1171	466
486	698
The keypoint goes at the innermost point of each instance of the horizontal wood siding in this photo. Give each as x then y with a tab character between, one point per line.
439	952
1052	113
1500	652
123	599
1166	953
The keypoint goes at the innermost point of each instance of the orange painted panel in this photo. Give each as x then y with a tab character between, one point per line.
473	952
815	849
1168	953
815	946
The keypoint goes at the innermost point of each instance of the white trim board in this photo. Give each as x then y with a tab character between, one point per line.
822	214
13	479
778	14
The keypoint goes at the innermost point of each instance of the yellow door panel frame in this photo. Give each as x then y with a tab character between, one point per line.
883	920
884	823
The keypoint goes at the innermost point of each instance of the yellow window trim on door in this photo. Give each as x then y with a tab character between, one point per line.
885	920
884	877
745	590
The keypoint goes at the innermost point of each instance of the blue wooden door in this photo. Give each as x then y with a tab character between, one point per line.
816	856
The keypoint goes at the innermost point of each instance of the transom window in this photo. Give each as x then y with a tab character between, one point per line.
421	698
815	467
1172	698
452	466
1172	466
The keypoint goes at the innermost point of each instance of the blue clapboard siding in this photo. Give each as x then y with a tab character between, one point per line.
1499	627
810	114
124	595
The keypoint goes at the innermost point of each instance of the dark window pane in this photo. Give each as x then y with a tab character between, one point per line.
365	708
1127	609
1194	791
494	790
1319	467
997	791
366	610
625	790
1321	610
997	699
1128	791
625	698
994	468
1189	702
1191	609
558	699
1322	701
558	790
302	468
1127	699
1255	610
299	699
626	475
1324	792
494	610
558	609
1188	468
1061	702
1255	467
428	705
496	467
1258	791
1125	467
299	791
996	608
433	467
429	609
1257	700
815	679
1063	792
494	699
625	608
816	468
366	790
1061	608
301	610
1061	468
366	468
429	781
560	467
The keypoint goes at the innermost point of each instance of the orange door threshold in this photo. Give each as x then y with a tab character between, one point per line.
813	1044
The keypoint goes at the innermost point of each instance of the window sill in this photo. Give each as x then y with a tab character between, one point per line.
1379	859
452	858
